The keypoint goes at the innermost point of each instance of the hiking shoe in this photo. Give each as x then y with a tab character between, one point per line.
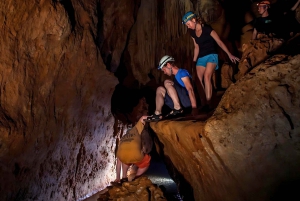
155	117
175	113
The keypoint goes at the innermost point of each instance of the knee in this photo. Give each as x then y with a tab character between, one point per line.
160	90
168	83
207	77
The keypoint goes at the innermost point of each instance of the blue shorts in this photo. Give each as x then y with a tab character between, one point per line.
183	96
211	58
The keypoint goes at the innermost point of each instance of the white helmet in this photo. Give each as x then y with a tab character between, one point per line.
164	60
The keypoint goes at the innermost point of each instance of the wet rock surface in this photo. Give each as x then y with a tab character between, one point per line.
141	189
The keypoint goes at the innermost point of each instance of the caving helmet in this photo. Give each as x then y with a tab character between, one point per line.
188	16
264	3
164	60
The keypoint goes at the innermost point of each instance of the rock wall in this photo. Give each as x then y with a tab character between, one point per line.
249	148
55	120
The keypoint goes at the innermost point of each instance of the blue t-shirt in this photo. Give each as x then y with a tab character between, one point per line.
180	74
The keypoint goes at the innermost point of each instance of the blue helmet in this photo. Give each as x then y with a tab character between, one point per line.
188	16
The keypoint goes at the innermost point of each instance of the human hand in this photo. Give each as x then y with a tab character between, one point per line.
233	58
143	118
131	177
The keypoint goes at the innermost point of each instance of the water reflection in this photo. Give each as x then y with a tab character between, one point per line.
159	175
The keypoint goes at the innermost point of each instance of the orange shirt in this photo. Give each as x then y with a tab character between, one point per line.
145	162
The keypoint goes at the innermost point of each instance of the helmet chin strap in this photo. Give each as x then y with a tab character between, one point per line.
265	9
171	71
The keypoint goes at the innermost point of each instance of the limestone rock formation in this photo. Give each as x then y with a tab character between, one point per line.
141	189
255	52
250	147
54	102
116	18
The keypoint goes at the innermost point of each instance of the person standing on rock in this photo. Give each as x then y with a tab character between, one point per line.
264	24
177	94
133	152
205	52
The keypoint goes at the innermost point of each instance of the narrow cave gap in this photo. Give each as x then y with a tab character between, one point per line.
105	49
129	90
67	4
180	190
105	52
159	174
100	36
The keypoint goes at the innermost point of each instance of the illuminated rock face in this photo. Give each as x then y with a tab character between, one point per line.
249	148
55	121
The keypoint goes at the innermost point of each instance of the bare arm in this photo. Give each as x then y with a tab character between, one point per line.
140	124
196	50
254	34
223	46
189	88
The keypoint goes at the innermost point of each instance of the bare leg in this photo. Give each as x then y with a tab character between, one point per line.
118	170
138	172
172	93
200	75
159	100
131	174
141	171
209	70
124	170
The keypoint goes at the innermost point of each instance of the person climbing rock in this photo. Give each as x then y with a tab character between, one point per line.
178	94
133	152
205	53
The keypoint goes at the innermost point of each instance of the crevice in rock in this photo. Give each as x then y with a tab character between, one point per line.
9	121
124	69
81	153
184	188
68	6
